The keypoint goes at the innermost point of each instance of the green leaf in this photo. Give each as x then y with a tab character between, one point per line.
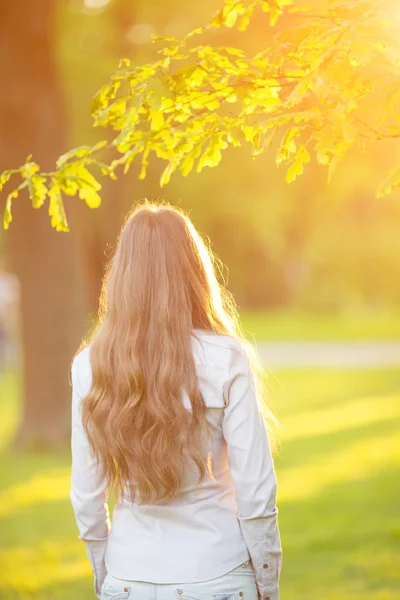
56	208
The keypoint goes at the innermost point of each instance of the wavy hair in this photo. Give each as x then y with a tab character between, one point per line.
160	284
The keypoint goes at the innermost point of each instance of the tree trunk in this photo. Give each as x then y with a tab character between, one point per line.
118	195
32	120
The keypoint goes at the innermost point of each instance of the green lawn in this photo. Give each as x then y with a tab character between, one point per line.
339	495
300	325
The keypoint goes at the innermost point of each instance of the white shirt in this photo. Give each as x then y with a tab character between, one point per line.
207	529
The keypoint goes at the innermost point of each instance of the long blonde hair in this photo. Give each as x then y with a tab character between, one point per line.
160	285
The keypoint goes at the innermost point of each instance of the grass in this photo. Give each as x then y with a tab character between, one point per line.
338	495
293	324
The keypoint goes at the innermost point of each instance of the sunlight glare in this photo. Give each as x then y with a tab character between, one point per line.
40	488
351	463
343	416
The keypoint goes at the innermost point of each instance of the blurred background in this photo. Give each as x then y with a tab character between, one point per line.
314	269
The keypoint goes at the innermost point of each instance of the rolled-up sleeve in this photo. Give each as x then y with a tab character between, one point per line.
88	492
252	469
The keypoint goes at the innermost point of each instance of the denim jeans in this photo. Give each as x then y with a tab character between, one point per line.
236	585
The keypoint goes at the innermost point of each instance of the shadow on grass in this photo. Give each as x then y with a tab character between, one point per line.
81	588
341	543
338	487
345	542
296	390
303	451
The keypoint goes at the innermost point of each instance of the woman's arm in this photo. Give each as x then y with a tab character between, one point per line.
252	469
88	493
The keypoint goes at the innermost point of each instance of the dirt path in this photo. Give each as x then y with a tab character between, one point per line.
331	354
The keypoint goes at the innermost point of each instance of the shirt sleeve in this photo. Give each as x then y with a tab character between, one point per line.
88	492
252	469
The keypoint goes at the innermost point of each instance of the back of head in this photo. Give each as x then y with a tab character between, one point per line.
159	286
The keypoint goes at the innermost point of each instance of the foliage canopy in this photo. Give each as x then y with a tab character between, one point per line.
329	82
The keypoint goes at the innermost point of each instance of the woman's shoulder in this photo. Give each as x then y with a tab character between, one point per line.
220	340
220	350
81	368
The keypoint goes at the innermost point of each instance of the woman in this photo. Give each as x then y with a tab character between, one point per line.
166	411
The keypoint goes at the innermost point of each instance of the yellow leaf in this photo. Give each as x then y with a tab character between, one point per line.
212	155
39	191
391	182
245	20
187	163
79	152
156	120
297	167
166	176
167	104
5	176
248	132
231	11
56	208
274	15
332	167
212	104
303	155
90	196
7	211
29	169
234	51
288	145
145	163
268	97
124	62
